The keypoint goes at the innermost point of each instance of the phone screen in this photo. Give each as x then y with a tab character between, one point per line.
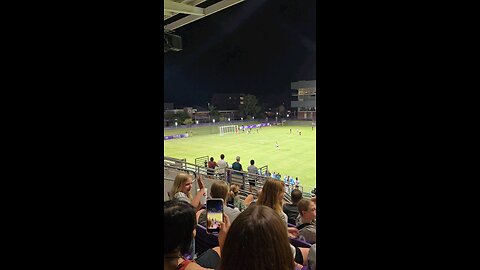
214	214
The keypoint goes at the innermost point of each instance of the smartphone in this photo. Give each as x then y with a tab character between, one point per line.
214	215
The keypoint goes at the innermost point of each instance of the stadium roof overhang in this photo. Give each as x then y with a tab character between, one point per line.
177	13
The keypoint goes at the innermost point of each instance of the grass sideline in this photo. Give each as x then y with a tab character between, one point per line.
296	155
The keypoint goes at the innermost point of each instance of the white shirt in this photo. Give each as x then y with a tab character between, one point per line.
222	164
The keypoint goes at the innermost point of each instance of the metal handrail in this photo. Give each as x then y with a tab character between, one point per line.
182	165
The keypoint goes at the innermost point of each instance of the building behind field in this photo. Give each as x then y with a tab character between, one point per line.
304	99
227	101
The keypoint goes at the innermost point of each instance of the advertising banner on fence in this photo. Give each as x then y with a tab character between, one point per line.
255	126
177	136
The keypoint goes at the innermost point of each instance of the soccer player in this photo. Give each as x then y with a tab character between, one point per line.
276	145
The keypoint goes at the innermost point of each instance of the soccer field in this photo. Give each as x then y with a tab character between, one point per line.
295	157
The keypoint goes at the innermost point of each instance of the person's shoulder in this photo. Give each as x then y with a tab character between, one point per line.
232	211
179	195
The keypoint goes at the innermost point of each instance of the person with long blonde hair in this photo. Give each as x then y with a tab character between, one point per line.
272	197
182	186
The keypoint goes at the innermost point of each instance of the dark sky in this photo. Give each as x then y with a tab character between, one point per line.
255	47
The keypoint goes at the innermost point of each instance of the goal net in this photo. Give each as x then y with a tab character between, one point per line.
228	129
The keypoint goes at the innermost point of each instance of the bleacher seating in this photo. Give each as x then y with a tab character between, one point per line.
174	166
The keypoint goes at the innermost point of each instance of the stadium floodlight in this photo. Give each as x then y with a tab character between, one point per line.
229	119
176	124
196	122
288	115
253	117
213	121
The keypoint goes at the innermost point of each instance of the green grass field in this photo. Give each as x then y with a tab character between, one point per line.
296	155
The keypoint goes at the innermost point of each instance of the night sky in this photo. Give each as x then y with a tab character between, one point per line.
255	47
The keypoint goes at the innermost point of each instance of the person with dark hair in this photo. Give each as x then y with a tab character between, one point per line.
222	165
291	209
211	167
219	190
257	240
178	234
252	169
307	229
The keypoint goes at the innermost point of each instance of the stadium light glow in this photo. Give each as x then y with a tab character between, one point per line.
213	120
196	122
229	119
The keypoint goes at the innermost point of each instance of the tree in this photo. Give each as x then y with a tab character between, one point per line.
179	116
213	112
250	106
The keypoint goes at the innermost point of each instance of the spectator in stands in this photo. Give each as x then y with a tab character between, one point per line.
307	230
178	235
219	190
211	167
252	169
222	165
272	196
253	200
234	198
181	189
257	240
292	183
287	183
236	165
291	209
312	257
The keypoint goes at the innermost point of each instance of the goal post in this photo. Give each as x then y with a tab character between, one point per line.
228	129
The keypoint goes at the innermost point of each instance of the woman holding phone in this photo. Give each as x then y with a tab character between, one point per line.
182	186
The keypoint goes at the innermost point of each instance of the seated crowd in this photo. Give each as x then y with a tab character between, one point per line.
290	181
251	231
